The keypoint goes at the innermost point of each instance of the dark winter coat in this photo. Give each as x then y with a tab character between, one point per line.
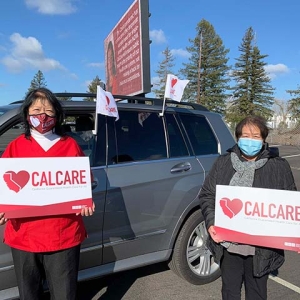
275	174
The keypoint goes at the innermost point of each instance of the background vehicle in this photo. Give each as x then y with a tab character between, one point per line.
148	170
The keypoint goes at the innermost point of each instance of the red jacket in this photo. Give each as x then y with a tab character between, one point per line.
51	233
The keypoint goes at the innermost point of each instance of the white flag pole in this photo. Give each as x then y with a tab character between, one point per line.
166	94
163	109
96	124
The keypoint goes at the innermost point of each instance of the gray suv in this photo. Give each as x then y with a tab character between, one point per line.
148	170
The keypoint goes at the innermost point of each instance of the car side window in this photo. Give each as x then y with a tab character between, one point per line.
10	135
177	144
138	136
200	134
80	128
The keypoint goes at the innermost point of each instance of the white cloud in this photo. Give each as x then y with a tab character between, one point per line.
157	36
155	81
74	76
52	7
27	53
279	68
275	70
180	52
96	65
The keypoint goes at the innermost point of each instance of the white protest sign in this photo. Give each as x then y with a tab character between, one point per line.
44	186
257	216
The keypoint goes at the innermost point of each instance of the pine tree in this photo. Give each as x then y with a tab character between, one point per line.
253	93
165	68
38	81
261	90
207	69
92	88
294	103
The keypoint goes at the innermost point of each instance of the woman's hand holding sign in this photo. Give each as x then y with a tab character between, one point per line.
87	211
2	219
213	234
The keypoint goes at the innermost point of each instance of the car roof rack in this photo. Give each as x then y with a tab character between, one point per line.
139	100
132	99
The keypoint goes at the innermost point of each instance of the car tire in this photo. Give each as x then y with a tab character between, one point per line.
191	259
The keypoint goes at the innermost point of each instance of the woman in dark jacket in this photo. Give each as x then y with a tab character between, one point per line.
249	163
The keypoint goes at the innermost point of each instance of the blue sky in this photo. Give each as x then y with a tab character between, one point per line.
65	38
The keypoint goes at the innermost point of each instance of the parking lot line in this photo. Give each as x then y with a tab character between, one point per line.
287	156
285	283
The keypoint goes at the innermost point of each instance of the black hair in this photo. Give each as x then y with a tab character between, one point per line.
257	121
42	93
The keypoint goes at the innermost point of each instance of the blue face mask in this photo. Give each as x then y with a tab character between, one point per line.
250	147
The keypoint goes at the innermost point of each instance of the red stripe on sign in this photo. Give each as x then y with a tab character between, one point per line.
279	242
20	211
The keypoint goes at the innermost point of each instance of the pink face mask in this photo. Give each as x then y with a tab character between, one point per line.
42	122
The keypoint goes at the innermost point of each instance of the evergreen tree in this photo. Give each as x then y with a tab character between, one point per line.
253	93
38	81
165	68
207	69
294	103
92	88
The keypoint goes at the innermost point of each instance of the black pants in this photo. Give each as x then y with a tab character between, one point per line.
236	270
60	269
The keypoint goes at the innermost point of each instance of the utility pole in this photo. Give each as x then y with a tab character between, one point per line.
199	69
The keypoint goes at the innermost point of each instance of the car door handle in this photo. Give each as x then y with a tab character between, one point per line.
94	184
182	167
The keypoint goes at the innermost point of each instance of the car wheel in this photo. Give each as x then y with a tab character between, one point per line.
191	259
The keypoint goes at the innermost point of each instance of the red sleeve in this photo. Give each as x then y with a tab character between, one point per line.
78	148
70	147
8	151
16	147
80	153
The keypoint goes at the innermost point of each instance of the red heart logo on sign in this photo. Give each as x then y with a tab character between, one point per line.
231	207
16	181
173	82
107	100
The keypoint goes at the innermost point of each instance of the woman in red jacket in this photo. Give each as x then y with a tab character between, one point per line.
45	246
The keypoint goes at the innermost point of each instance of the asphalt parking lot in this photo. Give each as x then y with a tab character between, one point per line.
158	282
